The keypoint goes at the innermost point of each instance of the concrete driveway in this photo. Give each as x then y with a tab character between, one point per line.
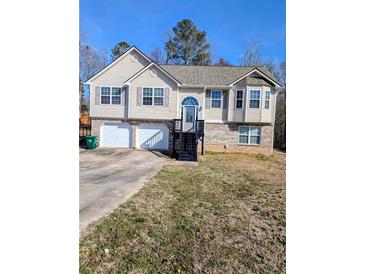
108	177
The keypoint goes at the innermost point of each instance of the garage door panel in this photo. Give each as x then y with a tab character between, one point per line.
152	136
116	135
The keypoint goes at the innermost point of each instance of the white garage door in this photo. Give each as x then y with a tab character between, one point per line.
116	135
152	136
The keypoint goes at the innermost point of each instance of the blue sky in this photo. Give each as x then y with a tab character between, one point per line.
231	25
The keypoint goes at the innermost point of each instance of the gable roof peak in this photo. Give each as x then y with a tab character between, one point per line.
116	61
147	67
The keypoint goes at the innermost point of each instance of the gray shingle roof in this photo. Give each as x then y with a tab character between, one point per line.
210	75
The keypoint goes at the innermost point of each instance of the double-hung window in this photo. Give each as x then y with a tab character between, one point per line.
110	95
105	96
116	93
267	99
153	96
216	99
158	96
249	135
254	99
239	98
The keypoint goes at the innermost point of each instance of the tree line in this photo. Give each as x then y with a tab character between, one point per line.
185	45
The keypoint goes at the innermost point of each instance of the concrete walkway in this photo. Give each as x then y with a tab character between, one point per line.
108	177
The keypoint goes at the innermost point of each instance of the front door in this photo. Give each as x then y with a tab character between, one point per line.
189	113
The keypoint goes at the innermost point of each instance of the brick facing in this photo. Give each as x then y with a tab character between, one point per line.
218	137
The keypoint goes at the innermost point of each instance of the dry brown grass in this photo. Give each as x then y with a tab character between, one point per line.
225	216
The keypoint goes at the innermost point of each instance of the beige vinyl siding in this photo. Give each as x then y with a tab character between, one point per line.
109	111
115	76
198	93
247	114
253	114
217	114
152	112
122	70
238	114
267	113
273	107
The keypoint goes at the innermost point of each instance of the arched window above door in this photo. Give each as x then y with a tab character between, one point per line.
190	101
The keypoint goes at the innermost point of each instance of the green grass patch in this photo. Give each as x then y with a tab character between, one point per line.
227	215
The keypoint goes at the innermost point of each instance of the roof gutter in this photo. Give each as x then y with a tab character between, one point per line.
205	86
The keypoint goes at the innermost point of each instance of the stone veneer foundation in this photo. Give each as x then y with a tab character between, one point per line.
219	137
223	137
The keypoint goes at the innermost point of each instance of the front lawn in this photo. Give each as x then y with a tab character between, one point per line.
227	215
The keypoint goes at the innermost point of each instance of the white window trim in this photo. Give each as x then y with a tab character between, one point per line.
267	100
153	97
111	95
211	98
248	136
243	96
249	98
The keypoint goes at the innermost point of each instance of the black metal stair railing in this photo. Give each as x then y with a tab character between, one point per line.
185	144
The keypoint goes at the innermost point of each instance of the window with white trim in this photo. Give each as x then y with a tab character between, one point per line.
267	99
153	96
158	94
254	99
249	135
110	95
239	98
116	93
216	100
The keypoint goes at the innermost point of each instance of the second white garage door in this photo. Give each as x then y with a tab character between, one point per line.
116	135
152	136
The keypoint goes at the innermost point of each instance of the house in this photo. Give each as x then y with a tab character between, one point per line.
136	103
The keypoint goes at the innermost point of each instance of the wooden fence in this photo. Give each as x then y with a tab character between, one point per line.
84	129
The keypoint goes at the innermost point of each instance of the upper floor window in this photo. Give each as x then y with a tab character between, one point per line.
249	135
254	99
216	99
153	96
267	99
239	98
158	94
110	95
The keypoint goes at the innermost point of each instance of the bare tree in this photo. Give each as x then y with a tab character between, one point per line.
91	61
104	58
273	67
280	121
282	76
222	62
280	115
158	56
252	56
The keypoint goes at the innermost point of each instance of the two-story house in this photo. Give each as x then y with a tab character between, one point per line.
136	103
